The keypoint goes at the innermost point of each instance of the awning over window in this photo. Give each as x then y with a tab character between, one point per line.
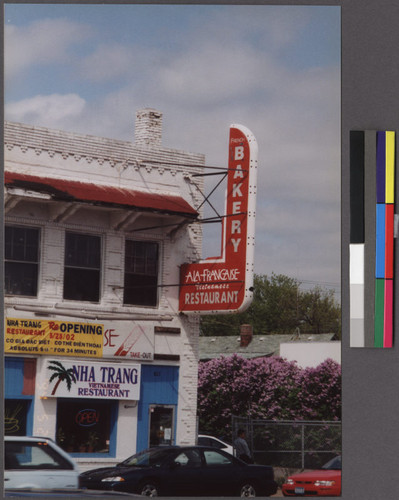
97	194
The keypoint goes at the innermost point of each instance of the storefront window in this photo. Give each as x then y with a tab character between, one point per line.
86	425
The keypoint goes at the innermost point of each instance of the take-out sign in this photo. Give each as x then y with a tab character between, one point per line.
224	284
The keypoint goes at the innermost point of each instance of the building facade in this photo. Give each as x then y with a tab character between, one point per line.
97	355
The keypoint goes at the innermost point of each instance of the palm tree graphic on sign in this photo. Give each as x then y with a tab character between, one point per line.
63	374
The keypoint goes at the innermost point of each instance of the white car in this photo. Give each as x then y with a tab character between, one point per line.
205	440
36	462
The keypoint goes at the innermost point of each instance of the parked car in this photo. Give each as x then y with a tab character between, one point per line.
183	471
322	482
36	462
214	442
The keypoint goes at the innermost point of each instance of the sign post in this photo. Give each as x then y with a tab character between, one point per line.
224	284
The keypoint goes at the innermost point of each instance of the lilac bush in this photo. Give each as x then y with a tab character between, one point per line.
266	388
321	392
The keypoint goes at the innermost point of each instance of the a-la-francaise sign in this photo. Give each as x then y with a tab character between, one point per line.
224	284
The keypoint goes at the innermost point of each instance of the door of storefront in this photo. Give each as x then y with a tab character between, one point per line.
161	420
157	406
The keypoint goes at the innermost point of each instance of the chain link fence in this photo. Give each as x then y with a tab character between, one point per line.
290	444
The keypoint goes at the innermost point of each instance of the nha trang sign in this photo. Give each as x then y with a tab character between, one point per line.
78	379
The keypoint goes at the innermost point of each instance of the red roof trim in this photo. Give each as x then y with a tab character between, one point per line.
69	190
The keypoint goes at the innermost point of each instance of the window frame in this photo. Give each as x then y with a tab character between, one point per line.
36	263
157	275
84	268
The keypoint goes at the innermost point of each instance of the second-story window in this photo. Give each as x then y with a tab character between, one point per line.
82	269
21	260
141	273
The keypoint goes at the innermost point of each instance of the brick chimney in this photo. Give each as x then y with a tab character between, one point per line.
148	128
245	335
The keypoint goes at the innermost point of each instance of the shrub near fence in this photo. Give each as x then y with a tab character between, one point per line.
291	444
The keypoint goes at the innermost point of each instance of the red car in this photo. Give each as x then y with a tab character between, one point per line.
324	482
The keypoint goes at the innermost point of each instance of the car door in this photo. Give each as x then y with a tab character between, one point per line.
31	464
184	474
219	473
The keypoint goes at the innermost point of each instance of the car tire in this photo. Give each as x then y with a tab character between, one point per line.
248	489
148	489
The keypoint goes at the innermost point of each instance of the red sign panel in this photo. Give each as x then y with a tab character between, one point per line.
224	284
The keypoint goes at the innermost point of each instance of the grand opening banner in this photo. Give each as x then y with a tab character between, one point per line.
110	339
224	284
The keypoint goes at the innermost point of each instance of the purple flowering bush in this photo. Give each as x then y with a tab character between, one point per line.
266	388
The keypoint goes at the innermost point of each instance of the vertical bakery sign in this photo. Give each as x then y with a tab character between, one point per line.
225	284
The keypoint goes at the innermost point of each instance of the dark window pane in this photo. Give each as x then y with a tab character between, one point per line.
81	284
141	273
21	244
18	245
140	290
21	260
31	252
82	267
82	250
141	257
20	278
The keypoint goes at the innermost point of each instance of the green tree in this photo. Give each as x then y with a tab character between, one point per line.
279	306
319	312
275	304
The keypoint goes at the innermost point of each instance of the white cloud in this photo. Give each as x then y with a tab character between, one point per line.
270	27
43	42
213	74
111	61
53	110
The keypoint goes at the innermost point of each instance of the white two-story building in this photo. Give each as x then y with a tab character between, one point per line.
97	355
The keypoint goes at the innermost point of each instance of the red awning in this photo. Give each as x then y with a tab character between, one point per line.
97	194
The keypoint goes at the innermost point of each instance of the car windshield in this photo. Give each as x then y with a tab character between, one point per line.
147	458
334	464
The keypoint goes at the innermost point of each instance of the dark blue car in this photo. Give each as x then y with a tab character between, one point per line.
183	471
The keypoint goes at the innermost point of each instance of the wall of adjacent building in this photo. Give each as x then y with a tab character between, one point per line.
311	354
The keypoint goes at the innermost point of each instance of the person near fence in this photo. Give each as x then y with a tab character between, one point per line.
242	448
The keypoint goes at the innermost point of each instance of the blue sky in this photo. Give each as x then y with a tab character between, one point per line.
274	69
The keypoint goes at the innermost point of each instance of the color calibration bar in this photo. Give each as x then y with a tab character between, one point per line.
372	166
383	332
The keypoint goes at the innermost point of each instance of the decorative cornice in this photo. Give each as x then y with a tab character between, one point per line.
67	144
